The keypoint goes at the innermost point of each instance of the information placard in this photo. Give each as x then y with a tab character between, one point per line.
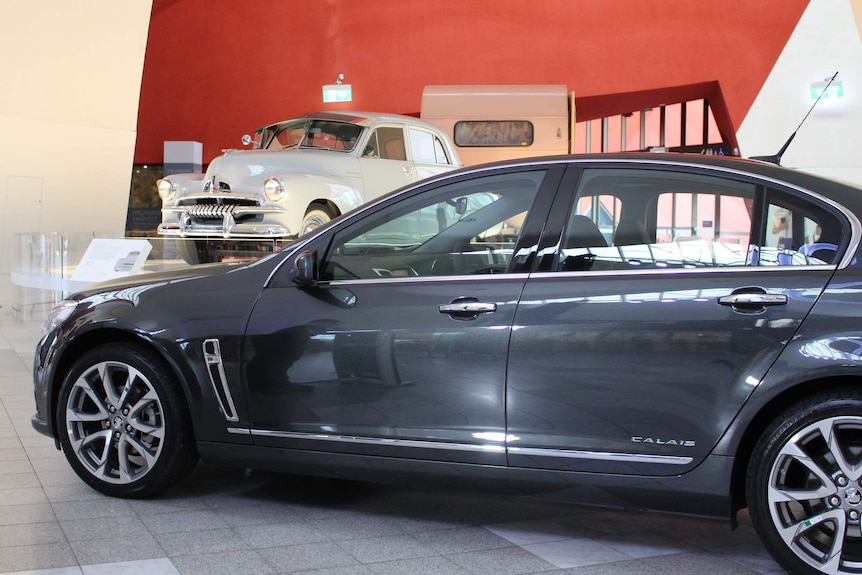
107	259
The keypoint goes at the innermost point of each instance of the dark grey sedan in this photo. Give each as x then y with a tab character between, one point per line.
672	332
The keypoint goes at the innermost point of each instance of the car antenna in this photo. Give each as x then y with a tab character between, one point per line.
776	159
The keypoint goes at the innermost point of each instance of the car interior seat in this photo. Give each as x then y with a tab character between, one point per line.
631	232
583	233
394	149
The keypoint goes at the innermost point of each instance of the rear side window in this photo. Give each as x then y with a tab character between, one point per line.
635	218
427	148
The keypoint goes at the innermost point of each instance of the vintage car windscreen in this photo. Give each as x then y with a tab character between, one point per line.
307	133
331	135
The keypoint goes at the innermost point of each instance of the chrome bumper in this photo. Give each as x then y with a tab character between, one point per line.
226	228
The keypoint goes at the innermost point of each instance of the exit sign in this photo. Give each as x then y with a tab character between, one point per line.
337	93
834	91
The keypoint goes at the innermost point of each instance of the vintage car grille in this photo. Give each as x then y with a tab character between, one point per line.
215	208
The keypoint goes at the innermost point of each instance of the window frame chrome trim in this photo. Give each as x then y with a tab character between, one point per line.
542	163
674	271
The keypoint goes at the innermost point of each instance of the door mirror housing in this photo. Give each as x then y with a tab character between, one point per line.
304	270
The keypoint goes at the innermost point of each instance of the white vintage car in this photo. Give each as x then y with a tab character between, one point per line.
300	174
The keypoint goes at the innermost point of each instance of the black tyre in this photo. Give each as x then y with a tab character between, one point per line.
197	252
315	216
123	421
804	485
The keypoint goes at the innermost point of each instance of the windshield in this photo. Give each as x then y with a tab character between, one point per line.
305	133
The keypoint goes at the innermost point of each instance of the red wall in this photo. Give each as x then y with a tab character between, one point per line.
216	69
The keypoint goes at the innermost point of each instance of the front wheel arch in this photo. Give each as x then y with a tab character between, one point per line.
318	213
94	339
124	422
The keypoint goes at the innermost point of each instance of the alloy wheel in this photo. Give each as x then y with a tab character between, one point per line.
115	422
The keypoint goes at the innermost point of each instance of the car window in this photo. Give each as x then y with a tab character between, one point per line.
641	218
798	232
427	148
386	143
463	228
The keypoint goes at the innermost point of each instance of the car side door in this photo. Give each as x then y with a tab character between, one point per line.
398	347
635	348
384	162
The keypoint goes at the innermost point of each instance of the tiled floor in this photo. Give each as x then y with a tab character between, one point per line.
231	521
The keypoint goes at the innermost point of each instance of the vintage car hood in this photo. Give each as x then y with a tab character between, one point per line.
245	171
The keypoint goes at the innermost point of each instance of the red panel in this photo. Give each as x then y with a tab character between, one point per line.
216	69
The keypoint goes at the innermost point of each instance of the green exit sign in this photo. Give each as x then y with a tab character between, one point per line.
337	93
834	91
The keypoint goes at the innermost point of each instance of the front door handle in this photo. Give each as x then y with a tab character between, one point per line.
466	308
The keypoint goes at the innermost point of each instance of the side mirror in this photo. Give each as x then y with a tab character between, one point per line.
304	270
246	140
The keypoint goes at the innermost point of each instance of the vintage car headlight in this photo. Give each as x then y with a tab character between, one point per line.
273	188
167	189
58	315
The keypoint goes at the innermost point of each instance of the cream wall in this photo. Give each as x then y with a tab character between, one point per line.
826	40
70	77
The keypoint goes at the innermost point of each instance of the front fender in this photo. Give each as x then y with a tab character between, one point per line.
301	190
185	184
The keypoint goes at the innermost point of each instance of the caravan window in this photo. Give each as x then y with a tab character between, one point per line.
494	133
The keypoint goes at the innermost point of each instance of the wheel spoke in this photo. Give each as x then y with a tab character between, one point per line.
141	449
827	429
107	380
778	495
84	386
84	417
138	411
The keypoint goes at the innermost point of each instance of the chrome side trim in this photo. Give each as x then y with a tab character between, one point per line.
239	430
380	441
490	447
602	456
218	379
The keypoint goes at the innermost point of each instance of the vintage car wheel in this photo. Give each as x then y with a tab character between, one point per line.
316	216
125	427
197	252
804	489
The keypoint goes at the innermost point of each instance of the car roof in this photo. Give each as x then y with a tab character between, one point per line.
844	192
359	118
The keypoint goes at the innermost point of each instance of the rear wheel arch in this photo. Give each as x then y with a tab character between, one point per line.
762	420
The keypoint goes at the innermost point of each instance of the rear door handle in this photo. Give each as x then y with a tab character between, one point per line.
758	299
466	308
752	300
